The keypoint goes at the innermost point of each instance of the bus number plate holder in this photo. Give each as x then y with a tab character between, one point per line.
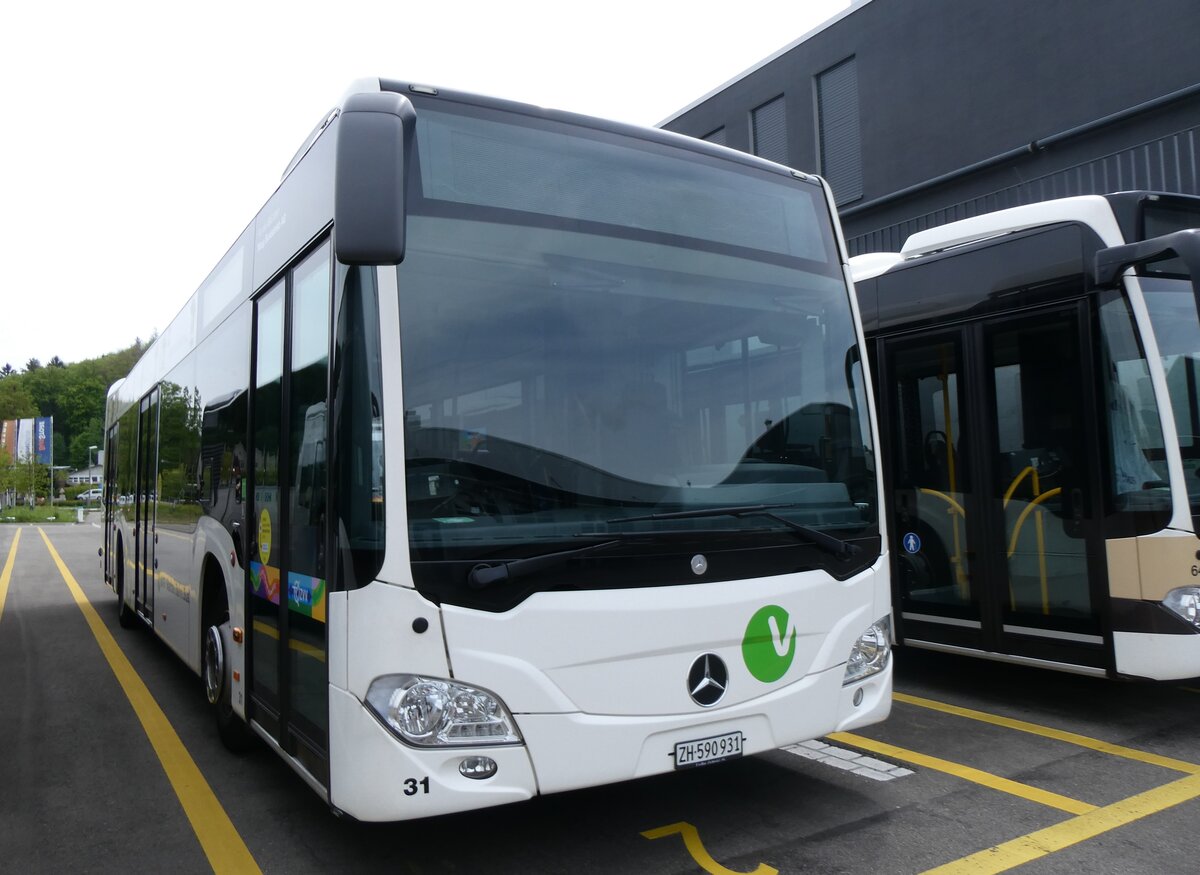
706	751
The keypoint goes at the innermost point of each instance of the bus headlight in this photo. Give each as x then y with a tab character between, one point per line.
1185	601
432	712
870	652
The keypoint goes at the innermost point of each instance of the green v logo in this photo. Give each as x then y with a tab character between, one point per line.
769	645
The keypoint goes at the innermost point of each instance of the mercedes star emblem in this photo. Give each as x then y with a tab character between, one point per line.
707	680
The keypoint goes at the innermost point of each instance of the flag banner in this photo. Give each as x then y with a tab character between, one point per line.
24	440
43	442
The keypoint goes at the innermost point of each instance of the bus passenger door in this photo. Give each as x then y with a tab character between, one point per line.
1044	486
994	489
288	518
934	501
146	502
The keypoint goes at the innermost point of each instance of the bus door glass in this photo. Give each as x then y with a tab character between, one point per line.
932	488
306	579
146	498
265	554
1043	485
110	501
288	588
994	504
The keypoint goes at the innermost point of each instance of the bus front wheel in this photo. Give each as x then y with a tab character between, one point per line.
218	688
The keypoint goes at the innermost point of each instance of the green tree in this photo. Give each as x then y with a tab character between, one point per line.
29	480
91	436
73	394
48	386
6	371
15	400
6	474
34	478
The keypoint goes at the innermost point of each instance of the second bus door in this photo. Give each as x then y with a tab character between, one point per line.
994	505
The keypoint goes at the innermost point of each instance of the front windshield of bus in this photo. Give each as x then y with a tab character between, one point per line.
596	329
1172	307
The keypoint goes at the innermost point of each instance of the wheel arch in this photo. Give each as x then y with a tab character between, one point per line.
215	595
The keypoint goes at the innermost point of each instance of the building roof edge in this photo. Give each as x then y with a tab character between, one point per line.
854	6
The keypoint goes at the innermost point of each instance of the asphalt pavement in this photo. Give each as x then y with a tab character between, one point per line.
981	767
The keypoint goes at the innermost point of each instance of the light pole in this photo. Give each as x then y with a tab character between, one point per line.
92	447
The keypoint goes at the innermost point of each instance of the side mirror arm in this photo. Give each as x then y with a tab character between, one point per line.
1184	245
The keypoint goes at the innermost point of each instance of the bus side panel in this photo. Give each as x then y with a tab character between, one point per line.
1166	560
382	638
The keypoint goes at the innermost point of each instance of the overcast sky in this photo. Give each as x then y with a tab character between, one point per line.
140	138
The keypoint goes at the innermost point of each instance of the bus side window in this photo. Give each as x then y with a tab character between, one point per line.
356	456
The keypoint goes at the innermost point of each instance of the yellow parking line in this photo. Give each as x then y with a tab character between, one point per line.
966	773
1056	734
6	574
218	837
1003	857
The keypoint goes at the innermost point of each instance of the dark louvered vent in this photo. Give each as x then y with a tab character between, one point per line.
1168	163
717	136
840	136
768	131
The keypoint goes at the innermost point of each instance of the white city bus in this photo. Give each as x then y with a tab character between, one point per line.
1038	371
506	452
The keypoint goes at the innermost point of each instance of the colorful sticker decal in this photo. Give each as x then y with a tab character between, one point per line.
265	581
767	646
264	536
473	440
912	543
306	595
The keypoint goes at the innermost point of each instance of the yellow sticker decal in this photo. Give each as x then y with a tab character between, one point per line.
264	536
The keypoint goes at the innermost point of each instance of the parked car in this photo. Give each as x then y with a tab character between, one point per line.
91	495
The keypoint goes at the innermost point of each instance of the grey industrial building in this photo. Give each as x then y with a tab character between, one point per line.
920	112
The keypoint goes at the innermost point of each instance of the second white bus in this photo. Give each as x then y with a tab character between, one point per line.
1039	386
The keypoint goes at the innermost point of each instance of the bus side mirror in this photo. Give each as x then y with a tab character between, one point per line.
1184	245
374	138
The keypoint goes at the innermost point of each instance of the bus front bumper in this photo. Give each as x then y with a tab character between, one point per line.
376	777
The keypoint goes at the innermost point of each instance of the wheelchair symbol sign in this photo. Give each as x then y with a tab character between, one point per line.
912	543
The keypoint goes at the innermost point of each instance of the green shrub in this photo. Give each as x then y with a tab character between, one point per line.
41	514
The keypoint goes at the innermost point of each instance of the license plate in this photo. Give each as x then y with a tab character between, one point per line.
705	751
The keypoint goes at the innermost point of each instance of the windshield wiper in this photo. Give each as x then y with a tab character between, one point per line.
485	575
836	546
